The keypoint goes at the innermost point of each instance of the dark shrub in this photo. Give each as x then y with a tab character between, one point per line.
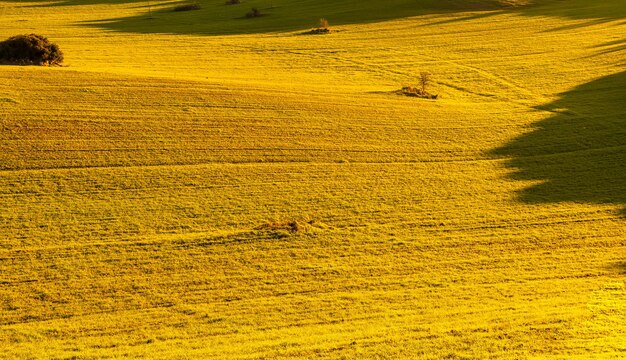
416	92
323	29
318	31
233	2
187	7
254	13
424	81
30	49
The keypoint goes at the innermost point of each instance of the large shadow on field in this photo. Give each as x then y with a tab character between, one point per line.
52	3
216	18
578	154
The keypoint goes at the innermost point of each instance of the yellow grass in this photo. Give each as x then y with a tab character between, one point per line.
146	188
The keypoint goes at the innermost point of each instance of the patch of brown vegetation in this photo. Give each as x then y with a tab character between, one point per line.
416	92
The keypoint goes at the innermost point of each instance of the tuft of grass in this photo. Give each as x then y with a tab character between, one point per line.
324	24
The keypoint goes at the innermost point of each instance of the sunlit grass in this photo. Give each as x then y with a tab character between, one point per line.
147	188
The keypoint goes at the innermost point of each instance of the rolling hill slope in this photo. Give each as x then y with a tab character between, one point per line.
200	185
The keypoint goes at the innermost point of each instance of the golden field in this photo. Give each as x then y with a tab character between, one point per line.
196	185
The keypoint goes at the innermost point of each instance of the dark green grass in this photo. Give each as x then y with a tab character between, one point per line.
579	153
53	3
216	18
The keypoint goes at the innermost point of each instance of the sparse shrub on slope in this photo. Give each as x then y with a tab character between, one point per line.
417	92
424	81
187	7
30	49
323	29
254	12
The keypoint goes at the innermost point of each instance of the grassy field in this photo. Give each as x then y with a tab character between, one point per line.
200	185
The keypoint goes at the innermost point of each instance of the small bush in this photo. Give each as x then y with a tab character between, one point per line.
319	31
30	49
323	29
233	2
187	7
416	92
254	13
424	80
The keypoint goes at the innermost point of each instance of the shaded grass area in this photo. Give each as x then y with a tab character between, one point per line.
54	3
578	153
216	18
